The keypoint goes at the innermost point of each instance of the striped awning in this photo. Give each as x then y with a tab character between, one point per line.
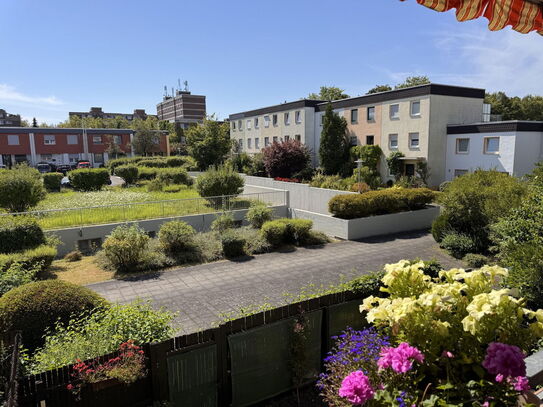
523	16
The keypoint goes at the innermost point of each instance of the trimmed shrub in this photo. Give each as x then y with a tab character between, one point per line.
287	231
36	307
154	186
16	275
274	232
368	176
362	187
475	261
368	284
20	189
379	202
19	233
223	222
75	255
174	176
117	162
233	244
125	247
52	180
89	179
40	258
176	236
258	214
457	244
172	188
219	181
147	174
127	172
440	227
255	243
153	163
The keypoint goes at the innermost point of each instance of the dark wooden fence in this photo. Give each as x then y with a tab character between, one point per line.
204	359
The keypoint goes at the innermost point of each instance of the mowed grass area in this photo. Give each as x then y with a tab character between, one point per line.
81	272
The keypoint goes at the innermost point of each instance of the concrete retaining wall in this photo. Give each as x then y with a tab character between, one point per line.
352	229
95	234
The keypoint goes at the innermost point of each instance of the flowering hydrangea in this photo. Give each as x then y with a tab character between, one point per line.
356	388
401	358
505	360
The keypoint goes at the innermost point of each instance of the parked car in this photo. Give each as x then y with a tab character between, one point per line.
84	164
64	169
43	167
65	182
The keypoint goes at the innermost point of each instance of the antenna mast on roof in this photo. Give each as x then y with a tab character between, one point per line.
165	91
186	83
178	84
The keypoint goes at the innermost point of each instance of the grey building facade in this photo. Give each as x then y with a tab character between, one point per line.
9	120
97	112
184	108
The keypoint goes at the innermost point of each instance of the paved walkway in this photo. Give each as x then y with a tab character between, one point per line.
201	294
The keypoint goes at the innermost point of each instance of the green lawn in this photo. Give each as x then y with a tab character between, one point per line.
125	204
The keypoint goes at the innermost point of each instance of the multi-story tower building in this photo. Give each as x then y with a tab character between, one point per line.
184	108
97	112
412	121
7	119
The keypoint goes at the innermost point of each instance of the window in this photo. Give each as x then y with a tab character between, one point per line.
414	140
459	173
49	140
353	140
415	109
249	144
257	143
96	139
98	157
240	143
239	124
322	120
266	121
287	118
370	140
274	120
371	114
13	140
117	139
393	141
47	157
256	122
72	139
354	116
249	124
266	141
462	145
298	117
156	140
287	138
395	111
233	125
297	137
275	139
73	158
492	145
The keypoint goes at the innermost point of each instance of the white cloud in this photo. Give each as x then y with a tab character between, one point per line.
8	94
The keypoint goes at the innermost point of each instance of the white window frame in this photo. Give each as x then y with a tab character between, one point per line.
354	112
234	125
286	117
485	145
49	139
117	139
370	109
14	140
458	144
257	143
370	135
266	121
95	160
46	157
411	138
266	141
390	137
256	122
249	124
240	143
249	144
95	139
390	113
298	116
72	137
275	139
464	172
298	137
353	140
413	102
240	125
287	138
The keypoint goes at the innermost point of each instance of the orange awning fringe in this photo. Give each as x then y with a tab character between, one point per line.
522	15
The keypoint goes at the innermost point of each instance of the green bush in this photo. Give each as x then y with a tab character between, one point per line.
117	162
218	181
153	163
39	258
233	244
147	174
35	307
51	181
287	231
473	202
254	241
368	176
125	247
458	245
176	236
89	179
223	222
258	214
73	256
475	261
367	285
440	227
172	188
174	176
17	275
20	189
379	202
128	172
154	186
19	233
274	232
101	332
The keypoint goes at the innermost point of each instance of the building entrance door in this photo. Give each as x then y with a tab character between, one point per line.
410	170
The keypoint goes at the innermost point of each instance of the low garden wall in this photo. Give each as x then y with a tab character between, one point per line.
352	229
86	236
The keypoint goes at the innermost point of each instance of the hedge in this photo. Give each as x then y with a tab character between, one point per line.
380	202
176	236
174	176
89	179
153	162
286	231
52	180
41	256
19	233
127	172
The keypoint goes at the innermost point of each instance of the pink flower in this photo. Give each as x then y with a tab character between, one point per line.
400	359
520	383
499	378
447	354
356	388
504	359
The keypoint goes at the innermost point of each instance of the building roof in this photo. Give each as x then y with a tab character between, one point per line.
298	104
61	130
495	127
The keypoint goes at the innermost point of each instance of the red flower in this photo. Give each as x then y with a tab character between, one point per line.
70	386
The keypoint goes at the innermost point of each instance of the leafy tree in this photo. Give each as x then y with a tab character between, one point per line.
413	81
423	171
144	141
285	159
209	143
395	163
20	188
379	88
112	148
529	107
369	154
334	149
34	122
329	93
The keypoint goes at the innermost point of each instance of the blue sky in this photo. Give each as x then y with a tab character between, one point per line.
63	55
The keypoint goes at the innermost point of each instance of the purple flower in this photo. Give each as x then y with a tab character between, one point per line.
503	359
356	388
520	383
400	359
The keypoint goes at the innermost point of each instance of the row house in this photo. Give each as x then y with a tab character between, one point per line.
412	121
60	146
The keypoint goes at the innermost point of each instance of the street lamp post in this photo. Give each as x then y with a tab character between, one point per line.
358	167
